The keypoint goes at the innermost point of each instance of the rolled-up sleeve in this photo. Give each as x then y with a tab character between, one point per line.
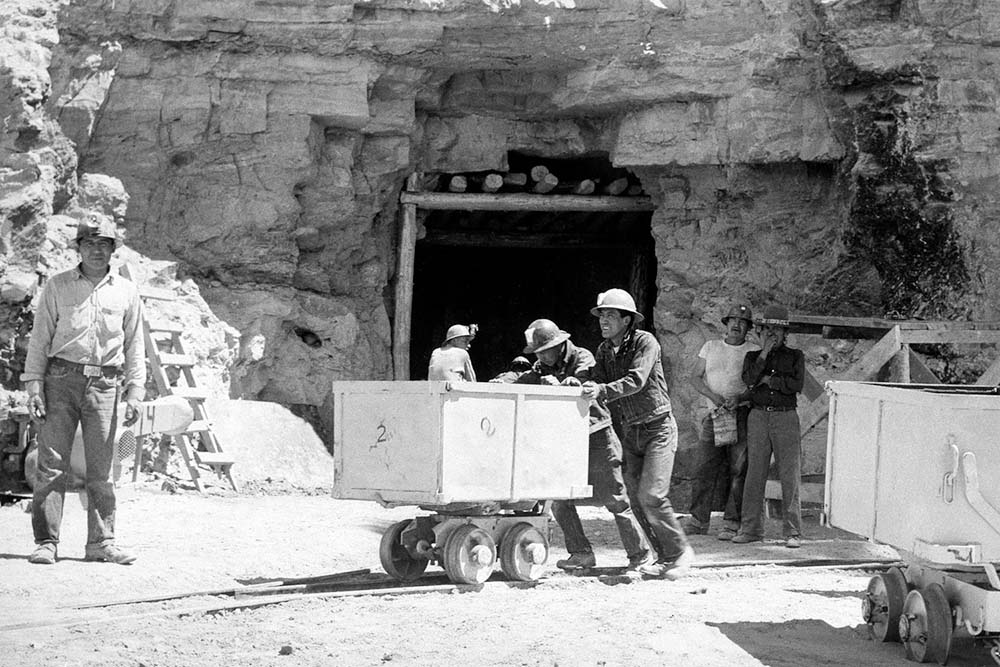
40	341
134	343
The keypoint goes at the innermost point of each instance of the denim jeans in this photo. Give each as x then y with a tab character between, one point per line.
720	466
604	473
649	450
71	399
777	433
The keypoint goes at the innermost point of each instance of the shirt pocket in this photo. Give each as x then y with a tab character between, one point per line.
111	318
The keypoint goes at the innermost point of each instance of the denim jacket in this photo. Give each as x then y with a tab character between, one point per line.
576	362
632	380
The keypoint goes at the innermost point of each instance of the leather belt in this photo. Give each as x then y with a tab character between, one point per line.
774	408
87	370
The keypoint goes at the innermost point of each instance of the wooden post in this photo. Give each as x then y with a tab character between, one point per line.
404	288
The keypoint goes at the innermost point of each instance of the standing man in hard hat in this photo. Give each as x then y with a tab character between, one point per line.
775	375
85	345
628	376
451	361
721	416
560	362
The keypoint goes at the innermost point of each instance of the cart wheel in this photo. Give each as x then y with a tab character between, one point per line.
883	605
469	555
925	625
396	560
523	552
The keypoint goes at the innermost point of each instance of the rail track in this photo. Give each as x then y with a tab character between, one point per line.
353	583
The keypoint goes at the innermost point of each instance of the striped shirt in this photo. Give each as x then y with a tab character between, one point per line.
92	324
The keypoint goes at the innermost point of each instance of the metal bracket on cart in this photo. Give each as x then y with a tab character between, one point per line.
974	495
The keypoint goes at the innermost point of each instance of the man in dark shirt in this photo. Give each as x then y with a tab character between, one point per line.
774	375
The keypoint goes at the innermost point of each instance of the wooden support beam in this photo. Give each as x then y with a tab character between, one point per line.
539	172
495	239
449	201
919	372
899	366
515	180
616	187
863	369
492	182
546	184
404	289
458	184
584	187
991	377
942	336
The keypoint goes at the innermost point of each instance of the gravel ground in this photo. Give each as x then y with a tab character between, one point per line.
770	614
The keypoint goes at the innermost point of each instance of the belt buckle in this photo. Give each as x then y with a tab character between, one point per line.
92	371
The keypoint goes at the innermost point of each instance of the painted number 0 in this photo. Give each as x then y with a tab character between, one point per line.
487	427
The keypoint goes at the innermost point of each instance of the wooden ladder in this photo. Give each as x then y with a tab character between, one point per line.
199	432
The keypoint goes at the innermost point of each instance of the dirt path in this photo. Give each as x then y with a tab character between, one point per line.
719	616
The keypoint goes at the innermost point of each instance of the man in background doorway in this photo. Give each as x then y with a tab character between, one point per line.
451	361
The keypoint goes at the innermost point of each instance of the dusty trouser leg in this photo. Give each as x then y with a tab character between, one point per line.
737	455
788	456
711	461
63	392
605	473
758	462
656	441
98	417
569	521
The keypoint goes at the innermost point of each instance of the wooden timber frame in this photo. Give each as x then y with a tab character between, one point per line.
413	199
893	347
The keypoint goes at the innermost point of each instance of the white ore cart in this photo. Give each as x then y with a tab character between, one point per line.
481	456
917	467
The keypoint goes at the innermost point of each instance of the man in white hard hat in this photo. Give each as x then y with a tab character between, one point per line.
86	345
451	361
721	416
628	376
560	362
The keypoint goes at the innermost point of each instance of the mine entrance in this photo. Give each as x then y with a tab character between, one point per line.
501	269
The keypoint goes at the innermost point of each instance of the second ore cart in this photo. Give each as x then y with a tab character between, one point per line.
482	457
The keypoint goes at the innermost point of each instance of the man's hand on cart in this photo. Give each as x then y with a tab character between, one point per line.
592	390
570	382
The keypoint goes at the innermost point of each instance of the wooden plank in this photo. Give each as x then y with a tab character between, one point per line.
214	458
919	372
495	239
991	377
179	360
863	369
404	287
967	336
157	293
166	327
190	393
451	201
812	387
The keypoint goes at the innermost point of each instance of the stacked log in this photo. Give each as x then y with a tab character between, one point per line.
539	180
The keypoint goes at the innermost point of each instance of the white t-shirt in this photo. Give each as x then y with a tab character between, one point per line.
724	368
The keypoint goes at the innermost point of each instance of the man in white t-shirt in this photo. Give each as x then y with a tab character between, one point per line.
721	410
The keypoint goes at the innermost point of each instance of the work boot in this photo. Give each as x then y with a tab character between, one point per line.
692	526
672	570
577	562
743	538
44	554
638	560
108	553
793	542
726	534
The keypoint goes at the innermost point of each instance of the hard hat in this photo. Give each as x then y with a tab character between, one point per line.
457	331
741	312
616	299
520	363
775	316
542	335
97	225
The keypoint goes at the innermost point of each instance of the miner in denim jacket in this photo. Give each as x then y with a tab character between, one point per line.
628	376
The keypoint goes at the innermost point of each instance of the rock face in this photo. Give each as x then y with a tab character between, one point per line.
834	155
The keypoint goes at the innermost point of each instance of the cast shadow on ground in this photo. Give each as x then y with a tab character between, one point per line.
797	642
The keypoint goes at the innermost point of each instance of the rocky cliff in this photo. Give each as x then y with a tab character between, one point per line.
834	155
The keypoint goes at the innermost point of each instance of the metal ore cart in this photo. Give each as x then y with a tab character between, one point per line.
481	457
917	467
